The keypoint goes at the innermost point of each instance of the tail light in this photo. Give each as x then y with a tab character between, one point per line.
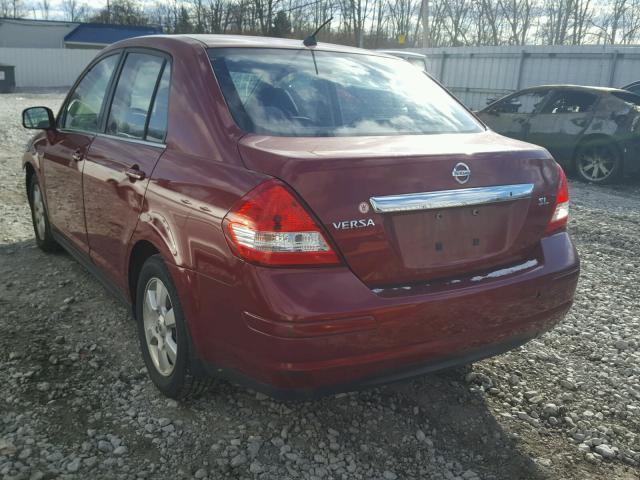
560	215
269	226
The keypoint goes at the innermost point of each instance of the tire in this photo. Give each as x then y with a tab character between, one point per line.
40	217
598	162
163	335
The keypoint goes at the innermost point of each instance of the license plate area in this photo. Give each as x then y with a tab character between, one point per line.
447	237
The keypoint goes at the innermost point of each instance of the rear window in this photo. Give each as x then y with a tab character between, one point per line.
314	93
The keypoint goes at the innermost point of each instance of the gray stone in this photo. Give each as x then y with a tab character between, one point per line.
74	465
238	460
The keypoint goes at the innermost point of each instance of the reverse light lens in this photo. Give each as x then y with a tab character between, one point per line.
560	215
270	227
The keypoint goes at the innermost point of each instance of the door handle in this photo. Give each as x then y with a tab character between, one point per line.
135	174
77	156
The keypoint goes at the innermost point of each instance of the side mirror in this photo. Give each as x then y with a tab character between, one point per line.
38	118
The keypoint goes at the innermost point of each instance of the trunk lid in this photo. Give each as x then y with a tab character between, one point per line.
338	176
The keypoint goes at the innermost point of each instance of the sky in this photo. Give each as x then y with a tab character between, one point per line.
55	9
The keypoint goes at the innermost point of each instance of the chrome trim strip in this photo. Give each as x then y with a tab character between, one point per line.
450	198
115	137
132	140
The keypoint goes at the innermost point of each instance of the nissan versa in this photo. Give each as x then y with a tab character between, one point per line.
299	219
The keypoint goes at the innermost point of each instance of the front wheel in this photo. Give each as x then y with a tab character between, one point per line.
162	332
39	217
598	162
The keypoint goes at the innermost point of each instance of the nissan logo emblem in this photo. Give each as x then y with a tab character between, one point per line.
461	172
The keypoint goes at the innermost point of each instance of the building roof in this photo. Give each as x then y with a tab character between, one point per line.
33	21
102	34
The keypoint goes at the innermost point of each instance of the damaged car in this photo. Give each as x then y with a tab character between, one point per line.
593	132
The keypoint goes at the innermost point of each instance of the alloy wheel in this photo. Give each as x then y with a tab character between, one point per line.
160	326
39	218
596	164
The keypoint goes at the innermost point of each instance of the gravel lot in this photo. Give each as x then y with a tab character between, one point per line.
77	403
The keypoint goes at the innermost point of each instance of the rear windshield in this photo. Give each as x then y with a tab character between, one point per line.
315	93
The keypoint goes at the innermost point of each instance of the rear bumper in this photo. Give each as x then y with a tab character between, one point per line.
309	332
380	378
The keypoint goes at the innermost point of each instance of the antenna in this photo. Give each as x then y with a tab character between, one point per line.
311	41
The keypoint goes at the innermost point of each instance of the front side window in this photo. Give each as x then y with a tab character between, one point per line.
316	93
83	107
525	104
570	102
133	95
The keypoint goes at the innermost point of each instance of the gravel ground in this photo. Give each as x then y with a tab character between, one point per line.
77	403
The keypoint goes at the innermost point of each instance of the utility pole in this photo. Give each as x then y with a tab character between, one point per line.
425	24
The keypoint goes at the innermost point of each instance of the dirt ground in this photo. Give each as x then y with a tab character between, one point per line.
76	401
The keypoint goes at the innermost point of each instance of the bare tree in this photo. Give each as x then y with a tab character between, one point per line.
74	11
380	23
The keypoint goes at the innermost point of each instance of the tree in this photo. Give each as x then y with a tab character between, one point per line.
45	6
73	11
121	12
12	8
281	25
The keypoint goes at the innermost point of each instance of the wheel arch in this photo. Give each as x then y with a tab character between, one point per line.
595	137
140	252
30	171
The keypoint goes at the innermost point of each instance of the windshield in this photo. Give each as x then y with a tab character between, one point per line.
316	93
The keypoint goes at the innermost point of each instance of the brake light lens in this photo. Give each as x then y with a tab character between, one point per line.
561	212
269	226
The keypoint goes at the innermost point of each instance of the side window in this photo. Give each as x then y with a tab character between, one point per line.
133	95
570	102
83	108
157	129
629	98
525	103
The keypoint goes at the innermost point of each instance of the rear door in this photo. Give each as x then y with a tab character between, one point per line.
561	122
63	159
510	116
123	156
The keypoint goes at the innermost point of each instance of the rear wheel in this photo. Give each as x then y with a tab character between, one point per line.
598	162
39	217
162	332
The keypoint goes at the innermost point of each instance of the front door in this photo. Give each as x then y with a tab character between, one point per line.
63	157
510	116
121	160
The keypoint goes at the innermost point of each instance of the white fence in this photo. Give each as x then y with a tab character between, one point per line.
475	74
46	67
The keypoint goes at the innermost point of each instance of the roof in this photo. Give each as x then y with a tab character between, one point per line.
103	34
222	41
32	21
573	87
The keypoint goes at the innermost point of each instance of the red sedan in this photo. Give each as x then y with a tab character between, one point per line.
300	219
